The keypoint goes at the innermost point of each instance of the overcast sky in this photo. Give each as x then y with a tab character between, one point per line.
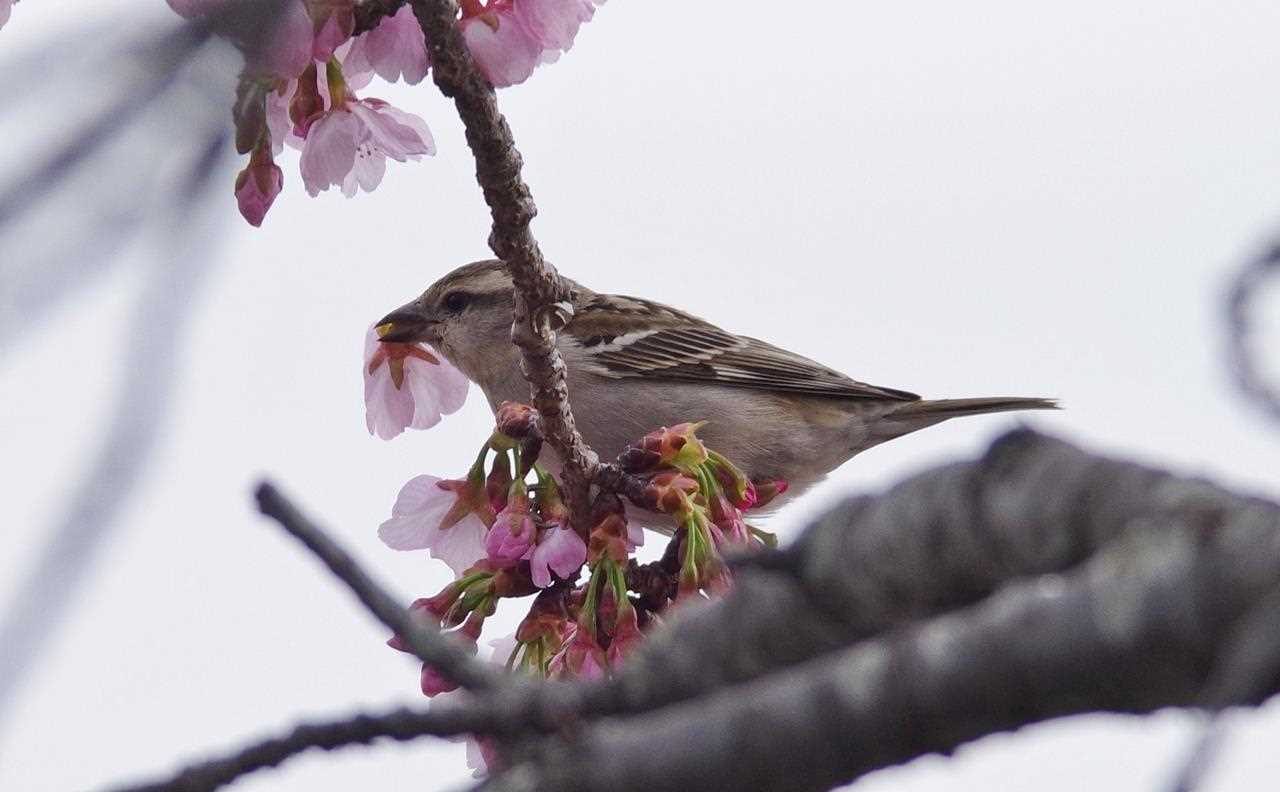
957	199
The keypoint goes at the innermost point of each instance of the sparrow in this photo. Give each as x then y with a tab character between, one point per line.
634	365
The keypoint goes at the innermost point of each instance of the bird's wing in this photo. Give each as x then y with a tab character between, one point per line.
626	337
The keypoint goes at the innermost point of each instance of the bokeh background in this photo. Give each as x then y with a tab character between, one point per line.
953	198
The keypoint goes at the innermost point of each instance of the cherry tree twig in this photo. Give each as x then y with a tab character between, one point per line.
427	644
541	304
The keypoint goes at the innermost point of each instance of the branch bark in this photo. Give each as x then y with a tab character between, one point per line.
427	644
1132	589
541	305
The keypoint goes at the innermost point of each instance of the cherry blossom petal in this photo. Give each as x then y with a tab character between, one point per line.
393	49
461	545
6	7
366	174
504	51
388	133
388	409
330	151
553	23
559	550
416	516
437	390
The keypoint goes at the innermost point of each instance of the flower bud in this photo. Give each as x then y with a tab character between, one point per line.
670	492
736	484
516	420
676	446
768	489
608	539
307	104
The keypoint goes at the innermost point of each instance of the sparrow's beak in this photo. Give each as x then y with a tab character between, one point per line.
407	324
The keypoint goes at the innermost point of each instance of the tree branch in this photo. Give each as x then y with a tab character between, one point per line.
1165	576
541	305
444	652
1242	358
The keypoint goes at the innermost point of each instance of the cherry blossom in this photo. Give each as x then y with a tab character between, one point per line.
559	550
442	517
349	144
512	535
504	52
6	8
553	24
394	49
407	385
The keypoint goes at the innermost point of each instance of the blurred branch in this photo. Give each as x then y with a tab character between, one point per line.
156	334
541	305
427	644
1240	354
399	724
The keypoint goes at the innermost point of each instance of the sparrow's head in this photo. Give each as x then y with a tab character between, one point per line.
466	315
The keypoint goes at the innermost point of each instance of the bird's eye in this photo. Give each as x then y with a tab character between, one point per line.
456	301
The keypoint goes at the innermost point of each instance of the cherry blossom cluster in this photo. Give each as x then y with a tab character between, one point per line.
504	530
301	88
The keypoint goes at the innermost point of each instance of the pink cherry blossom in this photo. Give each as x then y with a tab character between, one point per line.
437	516
559	550
348	145
510	537
6	7
553	23
505	53
291	45
257	187
406	385
393	49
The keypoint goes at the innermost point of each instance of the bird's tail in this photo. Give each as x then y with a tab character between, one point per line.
934	410
914	415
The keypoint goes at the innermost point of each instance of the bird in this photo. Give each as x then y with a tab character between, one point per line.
634	365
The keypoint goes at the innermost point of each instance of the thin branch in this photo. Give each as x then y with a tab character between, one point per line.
444	652
400	724
541	305
1240	354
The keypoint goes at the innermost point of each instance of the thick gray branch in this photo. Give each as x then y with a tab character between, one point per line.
1164	577
938	541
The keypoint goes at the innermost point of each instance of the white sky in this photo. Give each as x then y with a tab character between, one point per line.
954	198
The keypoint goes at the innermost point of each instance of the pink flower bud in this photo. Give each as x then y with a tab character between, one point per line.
768	489
677	446
516	420
511	536
626	636
670	492
258	185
